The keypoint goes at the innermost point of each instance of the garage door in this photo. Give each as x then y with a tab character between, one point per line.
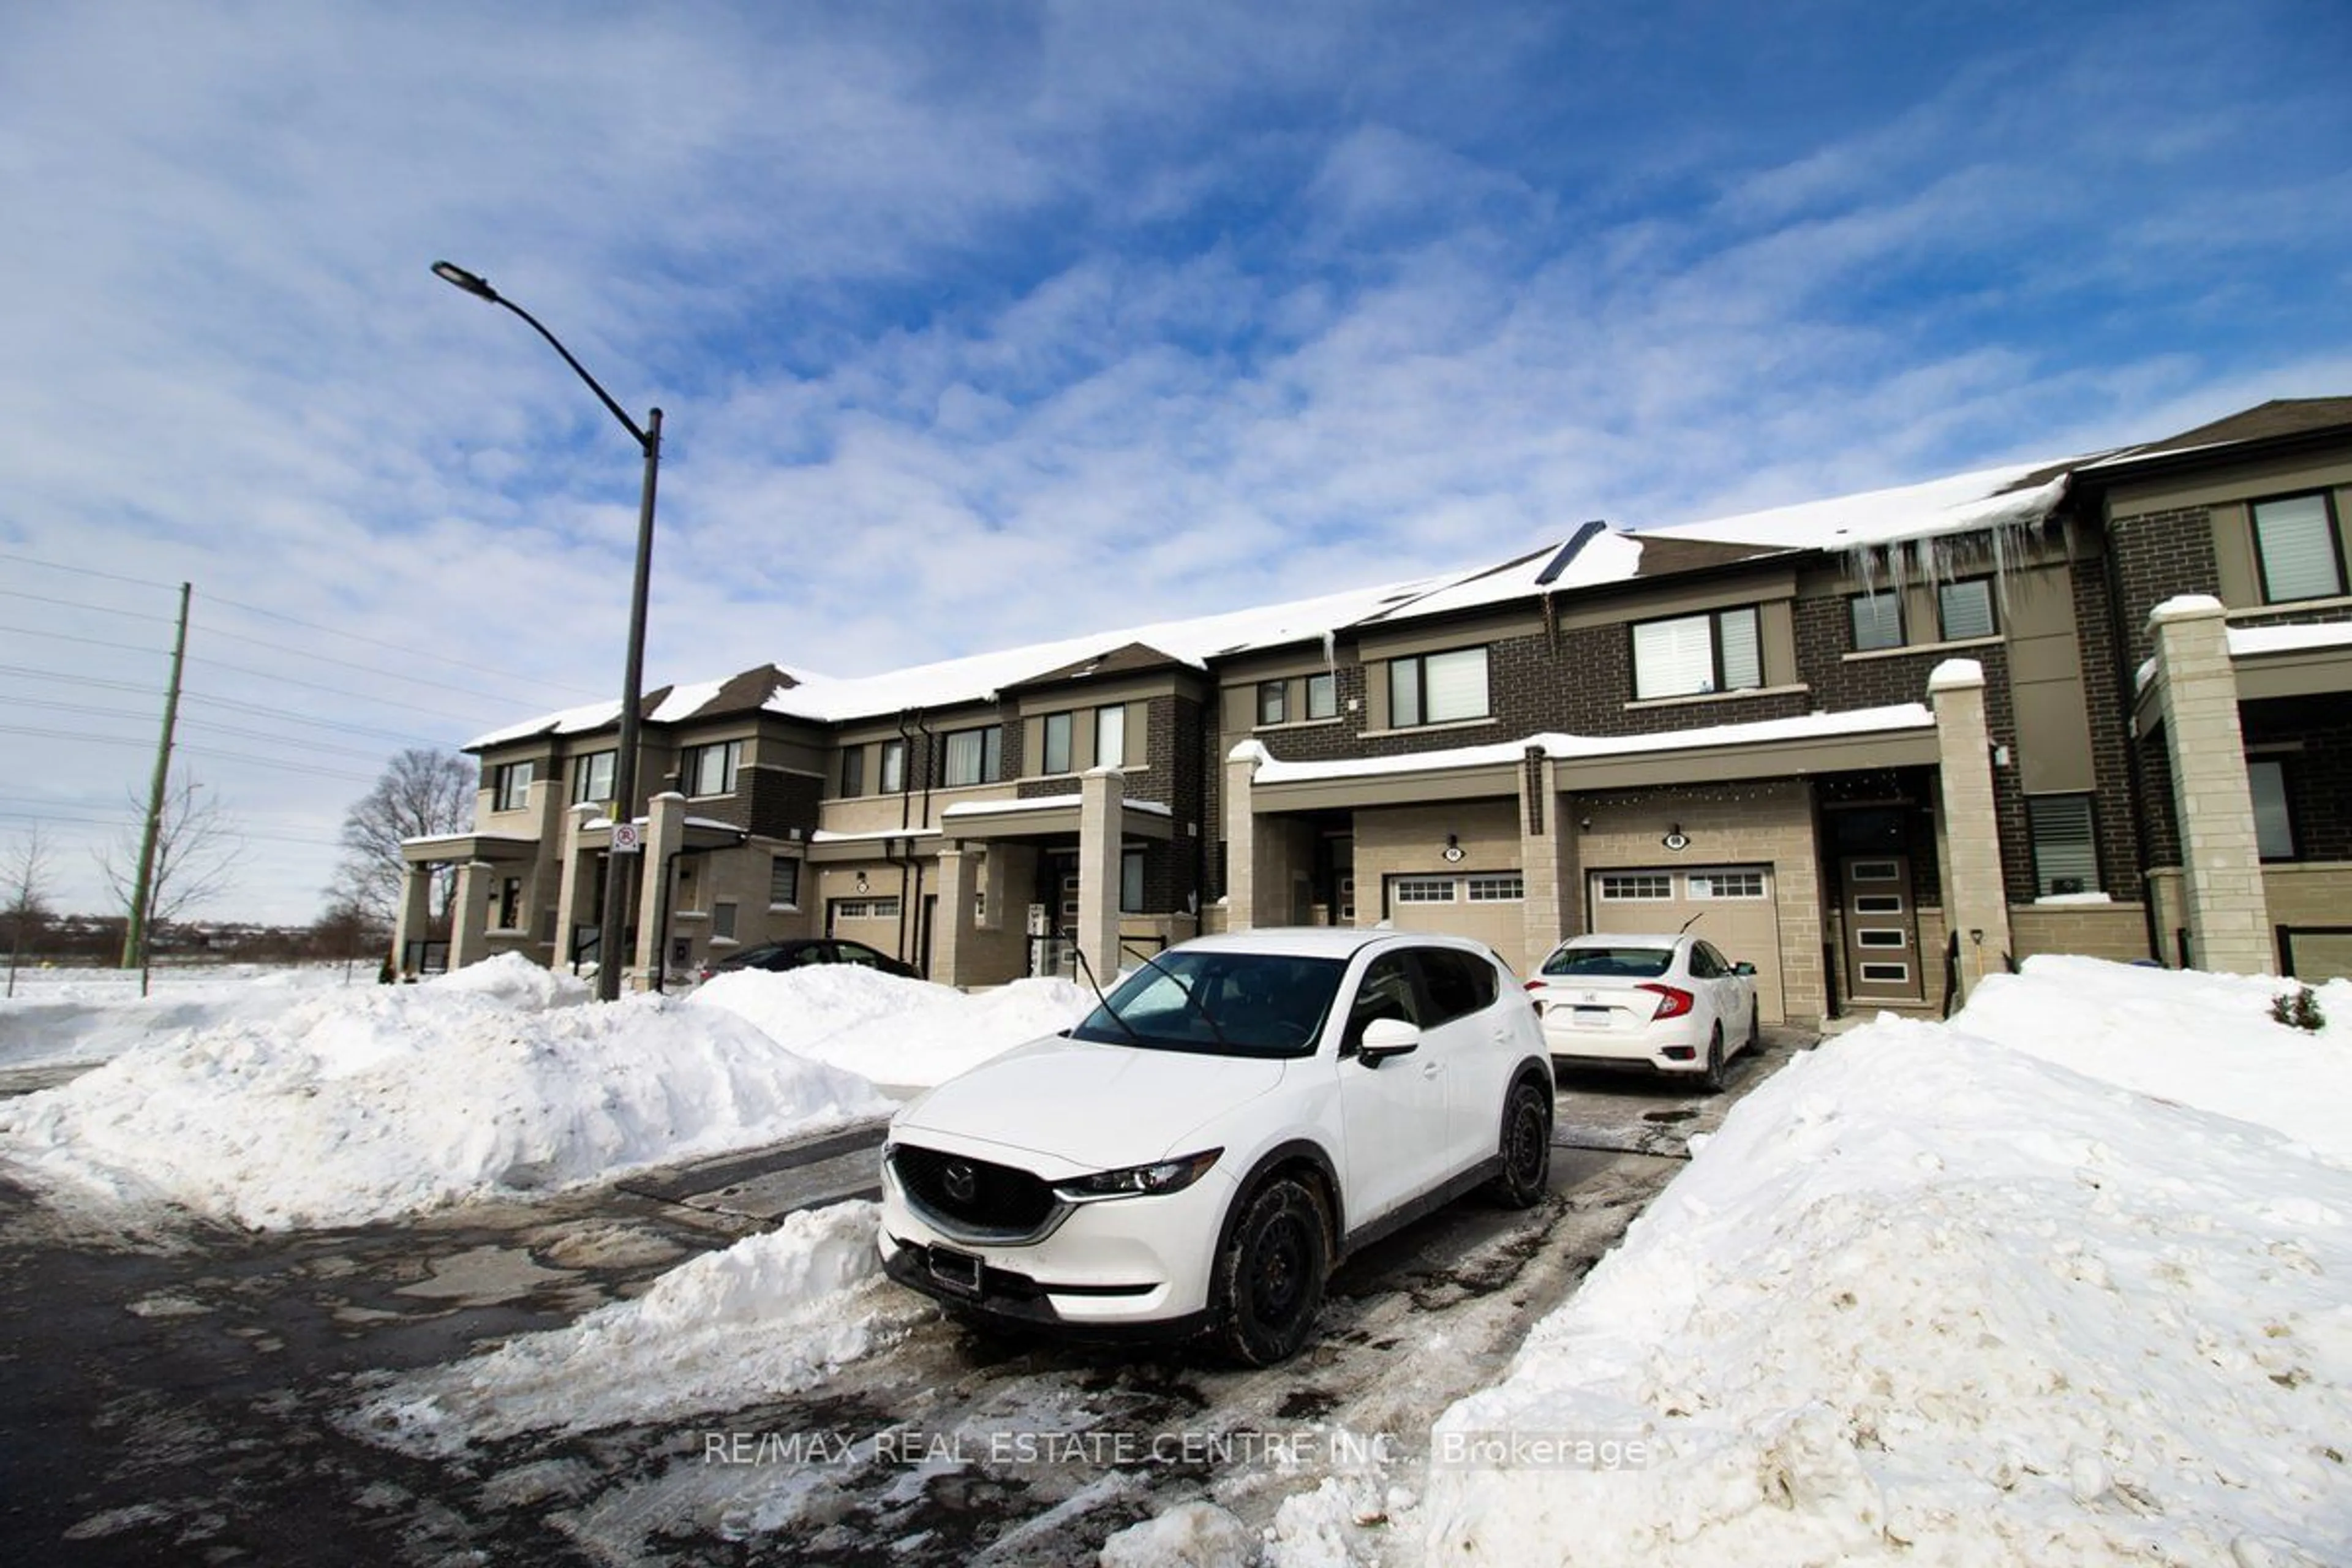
1485	906
1731	906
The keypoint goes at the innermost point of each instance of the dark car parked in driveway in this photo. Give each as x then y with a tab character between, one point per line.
795	955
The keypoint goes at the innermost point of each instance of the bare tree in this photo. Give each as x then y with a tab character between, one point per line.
23	895
196	850
421	792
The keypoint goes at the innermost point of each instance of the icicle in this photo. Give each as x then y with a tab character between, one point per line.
1331	648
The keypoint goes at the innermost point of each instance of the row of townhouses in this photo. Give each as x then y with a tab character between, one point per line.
1877	746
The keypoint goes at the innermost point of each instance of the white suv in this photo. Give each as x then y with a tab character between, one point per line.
1236	1117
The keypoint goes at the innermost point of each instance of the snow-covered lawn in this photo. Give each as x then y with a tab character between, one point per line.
310	1106
1933	1297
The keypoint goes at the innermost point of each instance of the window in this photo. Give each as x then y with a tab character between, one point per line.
1877	621
2295	541
1966	609
1273	701
1130	882
784	881
710	770
1458	985
2274	826
2066	852
510	912
853	772
1421	891
976	757
1719	651
1057	742
1727	884
592	777
893	767
1323	696
1110	737
1438	688
511	784
1630	885
1497	889
722	921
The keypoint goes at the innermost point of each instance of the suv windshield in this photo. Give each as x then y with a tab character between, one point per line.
1224	1004
1632	963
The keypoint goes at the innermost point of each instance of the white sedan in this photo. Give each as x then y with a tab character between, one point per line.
1672	1003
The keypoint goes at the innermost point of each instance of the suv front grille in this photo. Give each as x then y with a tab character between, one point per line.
974	1196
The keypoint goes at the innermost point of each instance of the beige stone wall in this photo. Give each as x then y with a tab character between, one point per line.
2317	894
2213	802
1393	840
1765	823
2116	932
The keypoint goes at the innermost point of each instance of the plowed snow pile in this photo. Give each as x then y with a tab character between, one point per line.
352	1105
1932	1299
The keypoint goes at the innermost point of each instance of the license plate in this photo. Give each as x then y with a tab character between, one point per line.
958	1271
1590	1017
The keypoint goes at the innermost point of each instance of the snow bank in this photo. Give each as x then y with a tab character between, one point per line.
2206	1040
771	1315
893	1030
1928	1298
347	1106
76	1015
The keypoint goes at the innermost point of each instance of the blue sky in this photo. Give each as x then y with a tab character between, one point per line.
975	324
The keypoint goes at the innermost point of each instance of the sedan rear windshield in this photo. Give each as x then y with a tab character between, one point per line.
1593	962
1220	1004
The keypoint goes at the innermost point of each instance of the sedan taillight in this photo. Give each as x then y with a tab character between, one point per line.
1672	1002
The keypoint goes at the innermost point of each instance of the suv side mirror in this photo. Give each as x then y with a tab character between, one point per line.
1386	1037
1743	968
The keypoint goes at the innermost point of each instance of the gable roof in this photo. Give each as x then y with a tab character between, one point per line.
2280	418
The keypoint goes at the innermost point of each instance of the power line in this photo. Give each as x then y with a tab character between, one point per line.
76	679
364	669
89	572
263	735
273	763
93	642
396	647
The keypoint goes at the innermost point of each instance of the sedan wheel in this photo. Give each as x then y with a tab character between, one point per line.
1270	1275
1526	1148
1714	1078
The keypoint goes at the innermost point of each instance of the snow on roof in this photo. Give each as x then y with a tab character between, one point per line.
1594	748
1989	497
2246	640
1043	803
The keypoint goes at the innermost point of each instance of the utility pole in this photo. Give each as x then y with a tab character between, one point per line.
134	930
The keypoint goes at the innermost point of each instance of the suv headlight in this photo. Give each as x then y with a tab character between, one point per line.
1139	1181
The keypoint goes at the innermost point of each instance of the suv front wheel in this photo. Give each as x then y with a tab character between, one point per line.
1269	1281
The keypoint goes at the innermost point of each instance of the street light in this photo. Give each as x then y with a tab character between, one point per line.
609	935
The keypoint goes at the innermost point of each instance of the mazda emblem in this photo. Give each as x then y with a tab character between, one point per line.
959	1180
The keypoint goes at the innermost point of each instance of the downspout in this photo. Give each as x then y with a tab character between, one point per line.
909	901
2127	705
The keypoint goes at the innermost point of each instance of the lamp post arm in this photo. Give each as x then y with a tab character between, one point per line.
644	439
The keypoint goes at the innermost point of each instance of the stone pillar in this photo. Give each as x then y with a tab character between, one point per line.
1546	858
2228	912
665	834
415	921
953	926
1102	798
573	892
1242	836
1976	900
470	922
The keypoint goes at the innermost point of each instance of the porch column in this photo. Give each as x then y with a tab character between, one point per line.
2222	860
665	834
571	887
1241	835
952	926
469	921
1102	798
1546	858
1976	900
413	921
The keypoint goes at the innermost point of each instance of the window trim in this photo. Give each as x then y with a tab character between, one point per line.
1133	866
2326	499
1273	702
988	765
1046	742
1991	607
1120	728
690	769
1328	682
511	785
893	761
1853	621
2286	810
2043	881
779	863
1719	681
583	790
1417	664
853	772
